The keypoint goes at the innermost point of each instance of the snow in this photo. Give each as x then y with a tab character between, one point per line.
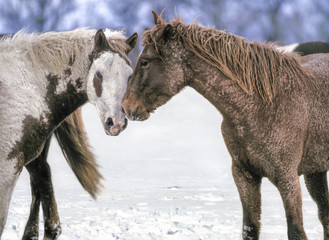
166	178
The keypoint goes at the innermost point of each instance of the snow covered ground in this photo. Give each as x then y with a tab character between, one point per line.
166	178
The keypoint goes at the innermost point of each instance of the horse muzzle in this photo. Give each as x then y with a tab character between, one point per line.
114	128
135	113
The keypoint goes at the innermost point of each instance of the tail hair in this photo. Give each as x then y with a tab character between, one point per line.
72	139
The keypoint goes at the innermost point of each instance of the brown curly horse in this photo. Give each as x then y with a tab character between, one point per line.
275	109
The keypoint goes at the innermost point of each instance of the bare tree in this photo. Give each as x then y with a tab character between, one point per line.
322	8
35	15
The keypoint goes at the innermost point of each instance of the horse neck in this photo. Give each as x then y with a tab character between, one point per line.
66	85
221	91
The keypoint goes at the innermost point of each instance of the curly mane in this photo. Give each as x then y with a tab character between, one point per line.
252	65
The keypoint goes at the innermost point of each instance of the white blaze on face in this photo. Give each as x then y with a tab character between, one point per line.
107	82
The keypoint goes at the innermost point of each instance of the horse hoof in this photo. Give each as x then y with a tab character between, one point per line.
52	234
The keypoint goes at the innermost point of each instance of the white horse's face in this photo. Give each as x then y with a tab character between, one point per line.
107	82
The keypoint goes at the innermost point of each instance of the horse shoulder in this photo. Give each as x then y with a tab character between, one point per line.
22	105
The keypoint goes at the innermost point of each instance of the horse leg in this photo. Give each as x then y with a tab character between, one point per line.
249	190
317	186
32	226
42	190
49	207
9	173
290	191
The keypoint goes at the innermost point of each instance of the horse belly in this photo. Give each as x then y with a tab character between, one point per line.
316	151
316	160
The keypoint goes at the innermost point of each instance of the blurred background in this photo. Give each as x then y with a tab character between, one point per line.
282	21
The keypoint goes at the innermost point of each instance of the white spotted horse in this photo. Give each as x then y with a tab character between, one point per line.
43	79
72	139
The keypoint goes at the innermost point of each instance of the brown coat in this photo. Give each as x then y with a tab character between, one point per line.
275	110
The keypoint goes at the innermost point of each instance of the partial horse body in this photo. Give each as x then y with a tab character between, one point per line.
44	78
274	105
73	142
307	48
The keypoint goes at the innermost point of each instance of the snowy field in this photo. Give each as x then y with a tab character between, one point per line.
166	178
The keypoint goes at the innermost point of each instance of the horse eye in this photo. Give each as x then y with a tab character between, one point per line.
99	75
144	63
129	79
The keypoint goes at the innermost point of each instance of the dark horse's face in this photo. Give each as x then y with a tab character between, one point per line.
157	77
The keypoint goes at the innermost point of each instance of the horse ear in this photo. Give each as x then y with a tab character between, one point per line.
131	42
157	19
100	41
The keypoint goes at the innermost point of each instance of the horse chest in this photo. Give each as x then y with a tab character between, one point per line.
247	148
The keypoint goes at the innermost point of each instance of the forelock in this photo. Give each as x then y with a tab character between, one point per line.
117	42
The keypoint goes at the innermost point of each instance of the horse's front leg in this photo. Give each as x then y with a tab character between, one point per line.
248	186
42	190
287	182
31	231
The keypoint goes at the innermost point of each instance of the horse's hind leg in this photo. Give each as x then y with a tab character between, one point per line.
42	190
317	186
9	173
49	206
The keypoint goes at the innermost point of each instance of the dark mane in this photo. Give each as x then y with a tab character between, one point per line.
252	65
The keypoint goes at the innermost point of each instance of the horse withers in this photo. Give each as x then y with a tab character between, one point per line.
275	110
44	78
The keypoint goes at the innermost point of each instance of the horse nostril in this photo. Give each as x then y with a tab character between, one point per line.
109	123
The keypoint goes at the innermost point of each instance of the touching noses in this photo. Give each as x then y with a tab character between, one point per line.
113	127
124	105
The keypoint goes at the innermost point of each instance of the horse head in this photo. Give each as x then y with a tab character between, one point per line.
107	81
158	74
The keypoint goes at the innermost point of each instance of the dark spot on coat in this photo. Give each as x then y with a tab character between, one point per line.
36	131
68	72
72	60
78	82
63	104
98	86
